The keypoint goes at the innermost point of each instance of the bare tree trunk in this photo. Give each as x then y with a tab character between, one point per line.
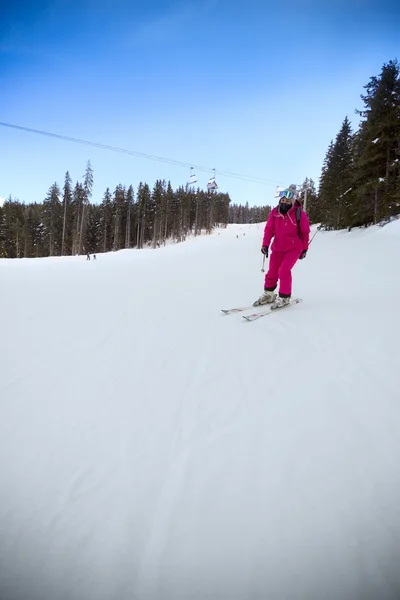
388	212
116	230
181	221
166	223
155	227
138	233
376	206
184	223
105	235
64	225
196	223
143	227
51	232
26	245
128	228
211	222
81	231
160	230
387	168
76	240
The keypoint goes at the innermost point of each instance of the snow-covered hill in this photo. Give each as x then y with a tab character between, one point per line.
153	448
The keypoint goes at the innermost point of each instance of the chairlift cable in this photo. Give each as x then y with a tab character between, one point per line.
250	178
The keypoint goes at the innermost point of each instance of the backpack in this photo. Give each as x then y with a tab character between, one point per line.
298	219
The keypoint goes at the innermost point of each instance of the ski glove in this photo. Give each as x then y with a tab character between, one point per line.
303	254
264	250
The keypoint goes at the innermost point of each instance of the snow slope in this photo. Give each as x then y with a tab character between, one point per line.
153	448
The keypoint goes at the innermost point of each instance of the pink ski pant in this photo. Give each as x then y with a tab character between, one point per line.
280	267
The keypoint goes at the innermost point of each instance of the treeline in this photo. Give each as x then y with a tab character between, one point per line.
239	213
359	186
67	223
360	179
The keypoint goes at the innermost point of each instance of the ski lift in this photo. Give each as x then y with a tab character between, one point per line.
192	177
212	184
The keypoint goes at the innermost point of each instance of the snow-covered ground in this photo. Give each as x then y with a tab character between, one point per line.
153	448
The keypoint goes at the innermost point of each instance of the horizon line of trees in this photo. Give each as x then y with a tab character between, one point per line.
359	186
67	223
360	178
245	214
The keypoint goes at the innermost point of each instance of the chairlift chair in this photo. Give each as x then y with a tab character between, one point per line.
212	184
192	177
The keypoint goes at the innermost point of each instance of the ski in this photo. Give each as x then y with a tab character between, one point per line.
231	311
271	309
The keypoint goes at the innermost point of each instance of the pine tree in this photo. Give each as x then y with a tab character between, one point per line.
169	199
237	213
118	209
378	144
52	220
105	225
68	223
155	211
129	216
3	251
312	208
66	243
197	225
87	192
37	229
78	198
13	218
93	239
143	202
336	180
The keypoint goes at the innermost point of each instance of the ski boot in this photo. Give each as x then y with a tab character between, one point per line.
281	302
268	297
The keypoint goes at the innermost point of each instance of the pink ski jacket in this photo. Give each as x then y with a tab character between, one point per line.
284	230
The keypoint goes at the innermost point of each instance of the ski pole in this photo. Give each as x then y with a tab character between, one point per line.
263	263
313	237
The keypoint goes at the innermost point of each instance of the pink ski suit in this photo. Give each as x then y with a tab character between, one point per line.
286	248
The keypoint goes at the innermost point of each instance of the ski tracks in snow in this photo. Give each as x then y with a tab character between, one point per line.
187	437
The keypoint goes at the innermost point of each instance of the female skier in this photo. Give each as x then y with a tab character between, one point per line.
288	224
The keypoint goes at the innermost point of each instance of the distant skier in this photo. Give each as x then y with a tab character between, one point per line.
288	224
88	256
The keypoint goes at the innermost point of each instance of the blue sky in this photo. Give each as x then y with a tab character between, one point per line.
248	86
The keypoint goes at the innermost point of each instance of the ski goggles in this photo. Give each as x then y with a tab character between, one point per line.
286	194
